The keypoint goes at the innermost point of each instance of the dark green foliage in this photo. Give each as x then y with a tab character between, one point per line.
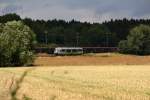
68	33
138	41
53	33
16	44
71	33
9	17
122	27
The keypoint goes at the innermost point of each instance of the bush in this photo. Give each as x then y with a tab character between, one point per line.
138	41
16	44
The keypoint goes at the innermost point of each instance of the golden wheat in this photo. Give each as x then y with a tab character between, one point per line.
79	83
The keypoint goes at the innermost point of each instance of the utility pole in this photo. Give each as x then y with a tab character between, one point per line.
46	39
107	39
107	43
77	39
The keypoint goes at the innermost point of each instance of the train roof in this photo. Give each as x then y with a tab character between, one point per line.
68	48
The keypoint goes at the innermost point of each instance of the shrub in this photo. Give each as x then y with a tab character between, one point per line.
16	44
138	41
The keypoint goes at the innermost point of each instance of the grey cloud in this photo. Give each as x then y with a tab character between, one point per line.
83	10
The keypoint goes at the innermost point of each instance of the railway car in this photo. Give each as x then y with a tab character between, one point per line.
68	51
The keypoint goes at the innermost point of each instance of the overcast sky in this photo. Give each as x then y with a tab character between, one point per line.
81	10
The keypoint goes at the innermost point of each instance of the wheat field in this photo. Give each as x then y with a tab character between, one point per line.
77	83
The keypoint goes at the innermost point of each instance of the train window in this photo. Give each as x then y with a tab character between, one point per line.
63	50
74	50
68	50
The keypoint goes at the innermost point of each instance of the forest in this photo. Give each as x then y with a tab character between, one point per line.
53	33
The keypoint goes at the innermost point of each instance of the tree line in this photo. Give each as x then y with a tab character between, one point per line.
74	33
19	37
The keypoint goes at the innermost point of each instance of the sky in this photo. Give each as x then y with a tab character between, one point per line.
80	10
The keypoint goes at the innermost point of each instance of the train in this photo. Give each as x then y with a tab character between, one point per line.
75	50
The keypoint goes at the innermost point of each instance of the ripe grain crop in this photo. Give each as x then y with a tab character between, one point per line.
79	83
